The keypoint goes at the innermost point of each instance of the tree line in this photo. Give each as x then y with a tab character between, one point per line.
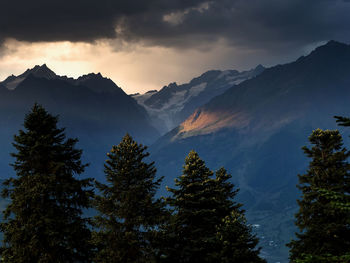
199	221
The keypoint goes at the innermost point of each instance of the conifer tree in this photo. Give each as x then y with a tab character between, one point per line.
323	220
203	209
191	230
234	239
129	213
43	221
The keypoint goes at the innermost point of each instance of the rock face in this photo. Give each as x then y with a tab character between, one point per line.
174	103
256	130
93	108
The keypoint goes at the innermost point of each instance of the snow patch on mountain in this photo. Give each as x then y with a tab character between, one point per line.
11	85
174	103
172	106
224	74
196	90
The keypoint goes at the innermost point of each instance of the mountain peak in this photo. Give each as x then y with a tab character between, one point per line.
334	43
331	45
41	72
98	83
90	76
92	81
38	71
259	67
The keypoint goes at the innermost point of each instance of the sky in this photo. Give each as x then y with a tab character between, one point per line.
146	44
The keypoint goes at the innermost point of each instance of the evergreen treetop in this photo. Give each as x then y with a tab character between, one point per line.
128	210
43	222
207	225
324	226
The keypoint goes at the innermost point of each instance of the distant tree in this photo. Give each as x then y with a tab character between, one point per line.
207	225
43	221
324	215
128	211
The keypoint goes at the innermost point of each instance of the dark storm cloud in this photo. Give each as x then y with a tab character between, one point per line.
178	23
250	23
75	20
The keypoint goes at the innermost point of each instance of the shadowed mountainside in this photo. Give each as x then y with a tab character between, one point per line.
93	108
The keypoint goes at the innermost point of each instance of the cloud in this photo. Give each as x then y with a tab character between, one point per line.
163	41
136	70
266	24
79	20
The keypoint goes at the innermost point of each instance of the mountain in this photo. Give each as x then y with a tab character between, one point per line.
95	82
38	71
174	103
256	130
93	108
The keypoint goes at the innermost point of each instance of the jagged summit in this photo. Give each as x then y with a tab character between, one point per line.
259	68
42	72
38	71
335	43
97	83
93	81
330	49
90	76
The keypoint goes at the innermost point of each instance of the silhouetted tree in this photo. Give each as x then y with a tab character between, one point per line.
207	225
129	213
43	221
324	214
234	239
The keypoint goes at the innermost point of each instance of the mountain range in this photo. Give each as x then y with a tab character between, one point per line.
171	105
253	123
92	108
256	130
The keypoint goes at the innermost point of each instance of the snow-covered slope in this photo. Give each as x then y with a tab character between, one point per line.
174	103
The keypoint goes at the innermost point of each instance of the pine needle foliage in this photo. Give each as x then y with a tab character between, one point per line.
43	221
129	212
324	216
205	218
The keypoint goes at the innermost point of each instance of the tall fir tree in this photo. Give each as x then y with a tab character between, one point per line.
323	220
129	212
191	230
43	221
203	209
234	239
